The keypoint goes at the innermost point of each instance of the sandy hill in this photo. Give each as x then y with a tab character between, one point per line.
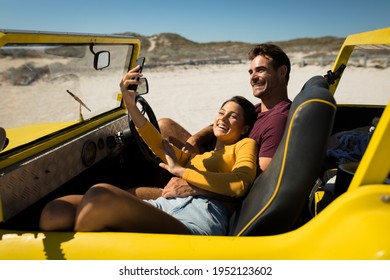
168	48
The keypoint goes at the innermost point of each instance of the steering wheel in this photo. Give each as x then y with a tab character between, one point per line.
146	109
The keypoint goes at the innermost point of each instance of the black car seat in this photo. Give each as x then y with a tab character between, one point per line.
278	196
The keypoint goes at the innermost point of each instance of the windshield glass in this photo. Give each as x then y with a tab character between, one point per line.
49	87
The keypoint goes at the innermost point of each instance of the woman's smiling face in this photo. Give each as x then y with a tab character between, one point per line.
230	123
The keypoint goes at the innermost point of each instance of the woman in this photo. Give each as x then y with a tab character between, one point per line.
228	170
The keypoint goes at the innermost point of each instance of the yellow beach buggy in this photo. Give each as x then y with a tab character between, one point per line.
63	128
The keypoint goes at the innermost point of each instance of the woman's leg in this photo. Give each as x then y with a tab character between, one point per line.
59	214
107	208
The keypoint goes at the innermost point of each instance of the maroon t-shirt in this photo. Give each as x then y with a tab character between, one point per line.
269	128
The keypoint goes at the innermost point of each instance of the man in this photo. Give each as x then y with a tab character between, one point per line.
269	74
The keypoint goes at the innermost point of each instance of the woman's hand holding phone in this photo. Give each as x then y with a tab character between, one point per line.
140	64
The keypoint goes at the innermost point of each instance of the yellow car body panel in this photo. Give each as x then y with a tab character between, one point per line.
28	133
333	234
45	130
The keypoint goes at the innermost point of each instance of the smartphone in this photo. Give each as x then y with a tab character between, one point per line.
140	61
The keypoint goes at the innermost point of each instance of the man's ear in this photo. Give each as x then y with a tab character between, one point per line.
283	71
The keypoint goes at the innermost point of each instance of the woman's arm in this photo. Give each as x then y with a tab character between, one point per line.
147	131
129	96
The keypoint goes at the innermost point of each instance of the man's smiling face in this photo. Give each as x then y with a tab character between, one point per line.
263	76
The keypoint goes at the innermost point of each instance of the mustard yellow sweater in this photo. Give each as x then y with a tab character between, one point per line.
229	171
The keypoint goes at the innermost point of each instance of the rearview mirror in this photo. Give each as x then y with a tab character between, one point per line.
143	88
101	60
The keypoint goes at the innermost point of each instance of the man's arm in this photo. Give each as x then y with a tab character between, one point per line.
178	187
200	141
264	163
145	192
181	138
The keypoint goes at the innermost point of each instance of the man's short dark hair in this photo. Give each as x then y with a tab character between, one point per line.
279	57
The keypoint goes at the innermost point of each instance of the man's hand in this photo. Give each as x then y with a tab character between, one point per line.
178	187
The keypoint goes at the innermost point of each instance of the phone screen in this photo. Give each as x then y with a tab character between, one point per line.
140	61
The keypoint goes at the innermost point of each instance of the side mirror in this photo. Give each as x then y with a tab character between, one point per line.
143	88
101	60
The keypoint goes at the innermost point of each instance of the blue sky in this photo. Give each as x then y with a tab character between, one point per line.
200	20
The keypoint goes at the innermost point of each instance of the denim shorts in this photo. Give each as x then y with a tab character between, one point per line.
201	215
